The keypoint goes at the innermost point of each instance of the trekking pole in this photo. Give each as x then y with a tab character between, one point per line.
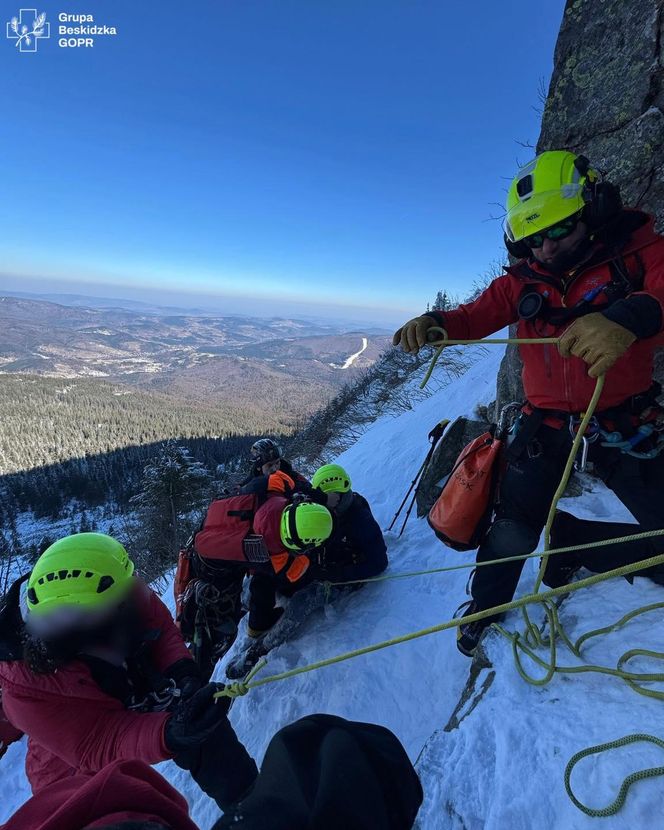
434	437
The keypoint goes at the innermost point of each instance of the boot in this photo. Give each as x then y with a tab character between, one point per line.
240	666
470	634
258	633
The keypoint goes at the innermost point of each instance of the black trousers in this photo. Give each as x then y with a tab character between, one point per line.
263	589
526	492
221	766
262	599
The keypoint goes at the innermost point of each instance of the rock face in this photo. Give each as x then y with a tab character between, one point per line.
509	386
606	101
606	95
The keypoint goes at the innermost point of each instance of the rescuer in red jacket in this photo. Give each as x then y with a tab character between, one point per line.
591	273
94	670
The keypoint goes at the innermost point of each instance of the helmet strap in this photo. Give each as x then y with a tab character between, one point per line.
292	528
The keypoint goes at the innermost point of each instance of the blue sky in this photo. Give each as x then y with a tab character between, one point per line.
337	155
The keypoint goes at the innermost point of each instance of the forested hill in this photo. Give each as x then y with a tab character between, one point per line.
262	375
45	420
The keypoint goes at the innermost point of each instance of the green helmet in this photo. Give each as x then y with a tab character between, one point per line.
554	186
331	478
86	572
305	526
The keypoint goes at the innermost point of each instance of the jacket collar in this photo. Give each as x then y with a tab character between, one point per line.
632	231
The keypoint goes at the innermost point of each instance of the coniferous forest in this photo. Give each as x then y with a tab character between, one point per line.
71	447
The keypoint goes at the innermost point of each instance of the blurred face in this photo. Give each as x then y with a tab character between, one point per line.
333	500
271	467
560	255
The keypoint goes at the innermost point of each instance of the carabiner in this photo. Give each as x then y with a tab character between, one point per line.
581	467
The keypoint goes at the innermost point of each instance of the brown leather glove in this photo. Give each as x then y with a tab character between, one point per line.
413	334
597	340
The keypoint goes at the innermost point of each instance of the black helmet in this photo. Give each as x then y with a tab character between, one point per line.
265	450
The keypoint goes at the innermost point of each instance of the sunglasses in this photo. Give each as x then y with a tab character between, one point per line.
556	232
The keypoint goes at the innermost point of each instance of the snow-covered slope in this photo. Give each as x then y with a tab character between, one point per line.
502	766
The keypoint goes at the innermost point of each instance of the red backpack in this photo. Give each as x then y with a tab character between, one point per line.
226	535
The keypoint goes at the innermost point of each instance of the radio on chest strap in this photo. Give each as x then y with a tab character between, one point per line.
534	304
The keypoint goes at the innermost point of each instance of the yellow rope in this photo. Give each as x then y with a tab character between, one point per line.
532	632
532	636
632	537
242	687
441	344
616	805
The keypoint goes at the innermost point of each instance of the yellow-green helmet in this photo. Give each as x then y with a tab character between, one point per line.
331	478
305	526
86	572
552	187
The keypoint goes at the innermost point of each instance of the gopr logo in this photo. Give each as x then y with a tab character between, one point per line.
27	29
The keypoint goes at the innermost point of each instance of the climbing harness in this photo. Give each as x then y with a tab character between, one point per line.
615	440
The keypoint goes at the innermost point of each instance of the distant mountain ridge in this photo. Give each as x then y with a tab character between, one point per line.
141	306
76	341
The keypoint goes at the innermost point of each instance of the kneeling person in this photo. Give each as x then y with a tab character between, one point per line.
356	549
275	543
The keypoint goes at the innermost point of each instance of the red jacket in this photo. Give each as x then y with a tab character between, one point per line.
75	727
551	381
267	523
122	791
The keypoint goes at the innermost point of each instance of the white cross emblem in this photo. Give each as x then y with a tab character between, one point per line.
27	29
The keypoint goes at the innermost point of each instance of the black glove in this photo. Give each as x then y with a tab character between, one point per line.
195	719
187	677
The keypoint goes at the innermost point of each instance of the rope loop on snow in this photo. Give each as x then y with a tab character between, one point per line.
619	801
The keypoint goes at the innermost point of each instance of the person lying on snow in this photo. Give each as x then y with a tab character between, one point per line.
354	550
94	670
591	273
320	773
